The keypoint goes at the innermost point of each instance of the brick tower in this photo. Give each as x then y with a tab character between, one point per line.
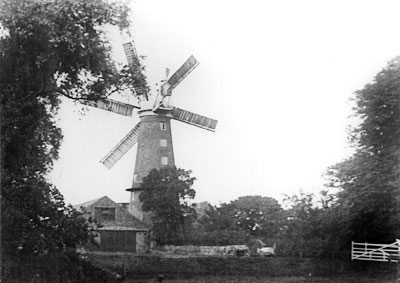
155	150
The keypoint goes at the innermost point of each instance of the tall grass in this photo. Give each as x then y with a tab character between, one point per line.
250	279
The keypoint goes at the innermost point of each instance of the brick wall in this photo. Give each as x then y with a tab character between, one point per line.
150	150
153	129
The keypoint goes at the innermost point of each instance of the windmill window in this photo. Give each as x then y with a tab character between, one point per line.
164	160
163	126
163	143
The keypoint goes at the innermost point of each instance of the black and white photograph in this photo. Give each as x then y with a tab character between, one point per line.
200	141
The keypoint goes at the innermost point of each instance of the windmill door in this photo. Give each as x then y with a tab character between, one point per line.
118	241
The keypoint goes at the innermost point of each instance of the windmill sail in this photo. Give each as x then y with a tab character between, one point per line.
134	64
179	75
121	148
194	119
112	106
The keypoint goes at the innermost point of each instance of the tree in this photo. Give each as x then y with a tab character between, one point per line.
259	216
48	49
217	228
309	227
369	181
244	218
166	194
300	228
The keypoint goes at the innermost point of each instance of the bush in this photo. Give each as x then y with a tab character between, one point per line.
61	268
218	238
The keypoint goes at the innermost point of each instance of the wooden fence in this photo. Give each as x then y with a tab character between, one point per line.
376	252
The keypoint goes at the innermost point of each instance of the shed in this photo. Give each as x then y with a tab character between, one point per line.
119	230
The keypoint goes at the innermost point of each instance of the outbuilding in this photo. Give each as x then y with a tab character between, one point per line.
119	230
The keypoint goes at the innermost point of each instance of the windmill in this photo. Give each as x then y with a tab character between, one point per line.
153	132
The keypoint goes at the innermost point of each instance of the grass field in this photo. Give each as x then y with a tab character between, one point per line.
195	269
248	279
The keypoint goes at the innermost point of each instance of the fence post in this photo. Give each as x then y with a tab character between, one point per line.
366	249
398	259
352	250
124	268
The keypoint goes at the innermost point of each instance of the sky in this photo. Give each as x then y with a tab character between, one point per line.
277	75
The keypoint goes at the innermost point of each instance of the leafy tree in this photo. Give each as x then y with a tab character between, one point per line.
369	182
37	222
245	217
216	228
258	215
300	225
218	218
166	195
48	49
332	227
307	230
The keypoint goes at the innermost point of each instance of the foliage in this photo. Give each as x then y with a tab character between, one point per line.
48	49
254	214
166	194
258	215
199	237
369	182
60	48
62	268
37	222
243	218
218	218
310	229
301	221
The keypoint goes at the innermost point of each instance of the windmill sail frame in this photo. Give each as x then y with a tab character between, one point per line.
194	119
190	64
122	147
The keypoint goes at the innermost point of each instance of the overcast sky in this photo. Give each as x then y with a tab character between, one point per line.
277	75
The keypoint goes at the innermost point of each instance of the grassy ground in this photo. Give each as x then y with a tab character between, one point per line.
247	279
195	269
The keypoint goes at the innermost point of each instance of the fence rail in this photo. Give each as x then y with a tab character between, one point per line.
376	252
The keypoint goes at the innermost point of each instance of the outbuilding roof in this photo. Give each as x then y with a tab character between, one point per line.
123	219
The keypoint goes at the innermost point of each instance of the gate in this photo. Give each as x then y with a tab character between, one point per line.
376	252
